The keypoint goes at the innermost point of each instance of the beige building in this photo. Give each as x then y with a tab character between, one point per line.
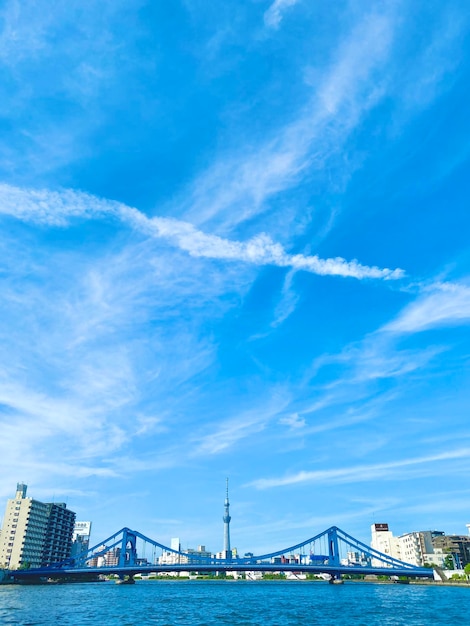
415	548
382	539
34	533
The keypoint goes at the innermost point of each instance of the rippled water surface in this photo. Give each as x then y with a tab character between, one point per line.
204	603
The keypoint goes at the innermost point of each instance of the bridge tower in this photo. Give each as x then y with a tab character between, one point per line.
227	551
128	553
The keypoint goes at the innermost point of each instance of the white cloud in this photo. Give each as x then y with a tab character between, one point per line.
376	357
238	186
288	302
58	208
362	473
437	60
358	378
447	304
54	208
93	345
226	433
355	375
294	421
69	55
273	16
363	72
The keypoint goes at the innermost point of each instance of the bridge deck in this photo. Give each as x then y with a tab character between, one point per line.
48	572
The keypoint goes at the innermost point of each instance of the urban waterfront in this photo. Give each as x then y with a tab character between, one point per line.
203	603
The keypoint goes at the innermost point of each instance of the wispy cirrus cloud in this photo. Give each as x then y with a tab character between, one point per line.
84	338
377	357
294	421
223	435
58	208
238	186
430	465
37	143
288	301
360	383
364	72
439	305
273	16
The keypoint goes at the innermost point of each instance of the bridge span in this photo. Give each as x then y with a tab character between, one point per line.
332	552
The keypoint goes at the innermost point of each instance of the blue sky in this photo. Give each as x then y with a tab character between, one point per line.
235	243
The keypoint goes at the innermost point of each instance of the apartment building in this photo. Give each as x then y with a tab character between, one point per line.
457	546
382	539
34	533
420	547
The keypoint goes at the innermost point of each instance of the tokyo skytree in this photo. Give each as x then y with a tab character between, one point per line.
227	518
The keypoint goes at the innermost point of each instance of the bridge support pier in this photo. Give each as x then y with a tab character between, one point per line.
335	579
122	580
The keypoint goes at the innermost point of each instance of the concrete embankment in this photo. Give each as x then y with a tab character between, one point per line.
5	578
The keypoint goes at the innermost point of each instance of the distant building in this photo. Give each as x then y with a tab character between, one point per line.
169	557
34	533
182	557
80	538
358	559
416	547
194	556
457	546
420	547
233	554
382	540
110	558
175	544
438	557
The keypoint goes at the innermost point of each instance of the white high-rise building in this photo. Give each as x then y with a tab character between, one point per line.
384	541
34	533
175	544
171	558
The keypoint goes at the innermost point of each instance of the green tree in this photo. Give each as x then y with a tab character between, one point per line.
466	569
449	562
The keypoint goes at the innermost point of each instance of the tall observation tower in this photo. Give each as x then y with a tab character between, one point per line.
227	518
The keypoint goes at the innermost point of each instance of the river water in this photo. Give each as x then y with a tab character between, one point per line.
207	603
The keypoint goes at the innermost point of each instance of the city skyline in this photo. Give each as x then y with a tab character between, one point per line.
234	242
18	545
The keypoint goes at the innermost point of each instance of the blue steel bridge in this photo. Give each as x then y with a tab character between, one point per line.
332	552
